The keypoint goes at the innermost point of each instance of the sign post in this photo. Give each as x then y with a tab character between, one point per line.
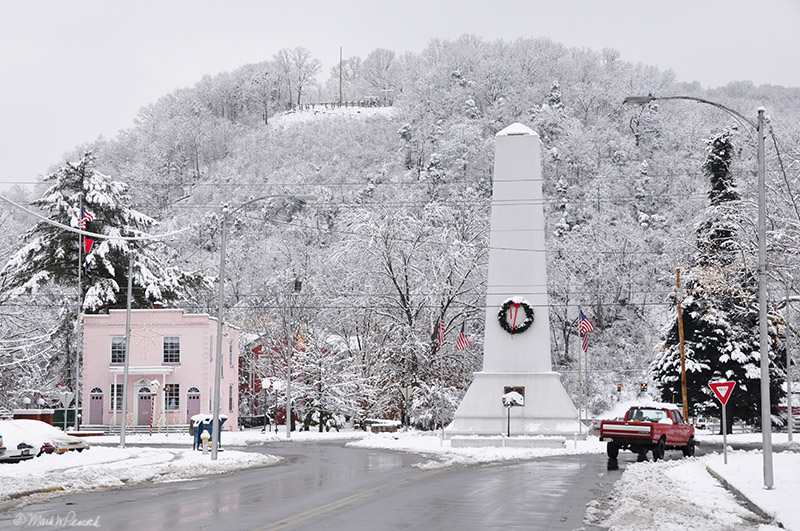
723	390
65	398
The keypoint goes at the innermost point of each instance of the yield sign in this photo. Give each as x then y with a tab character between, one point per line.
722	390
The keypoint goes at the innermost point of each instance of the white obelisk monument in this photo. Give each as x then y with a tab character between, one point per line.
516	352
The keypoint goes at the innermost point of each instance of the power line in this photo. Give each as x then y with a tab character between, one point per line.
661	197
478	179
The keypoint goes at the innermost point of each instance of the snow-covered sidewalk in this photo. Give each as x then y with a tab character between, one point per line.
745	473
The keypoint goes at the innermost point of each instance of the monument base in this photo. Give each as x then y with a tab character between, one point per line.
548	409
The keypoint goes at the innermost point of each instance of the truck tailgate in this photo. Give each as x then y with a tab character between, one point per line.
625	429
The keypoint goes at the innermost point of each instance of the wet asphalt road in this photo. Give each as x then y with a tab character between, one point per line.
324	486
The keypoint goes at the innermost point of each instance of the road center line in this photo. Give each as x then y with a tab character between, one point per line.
328	507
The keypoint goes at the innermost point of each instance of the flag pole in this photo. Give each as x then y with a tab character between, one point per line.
580	385
79	348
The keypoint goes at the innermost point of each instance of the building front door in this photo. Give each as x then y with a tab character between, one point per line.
192	405
145	405
96	408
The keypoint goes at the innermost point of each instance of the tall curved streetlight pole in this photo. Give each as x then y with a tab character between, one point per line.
758	125
306	198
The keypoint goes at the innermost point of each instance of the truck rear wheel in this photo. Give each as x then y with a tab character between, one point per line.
612	450
688	450
659	449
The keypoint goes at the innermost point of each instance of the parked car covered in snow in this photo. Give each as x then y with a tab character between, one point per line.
60	441
20	445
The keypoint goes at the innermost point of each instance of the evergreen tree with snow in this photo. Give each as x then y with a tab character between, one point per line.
720	309
554	97
49	255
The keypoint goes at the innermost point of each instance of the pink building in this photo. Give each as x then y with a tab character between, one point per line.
170	372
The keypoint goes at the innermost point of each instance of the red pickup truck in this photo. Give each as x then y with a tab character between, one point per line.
656	428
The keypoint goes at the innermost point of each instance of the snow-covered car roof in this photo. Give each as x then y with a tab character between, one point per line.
58	438
14	435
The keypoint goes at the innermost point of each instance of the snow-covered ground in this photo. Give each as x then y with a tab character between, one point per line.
103	467
677	494
443	455
251	437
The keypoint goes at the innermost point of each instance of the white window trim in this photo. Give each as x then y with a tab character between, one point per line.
111	350
177	396
112	403
180	350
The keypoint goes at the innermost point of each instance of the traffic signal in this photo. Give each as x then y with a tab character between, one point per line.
644	387
619	388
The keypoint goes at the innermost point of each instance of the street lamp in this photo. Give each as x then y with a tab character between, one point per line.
298	285
307	198
766	424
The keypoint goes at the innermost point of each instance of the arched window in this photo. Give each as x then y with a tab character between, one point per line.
145	391
193	390
96	391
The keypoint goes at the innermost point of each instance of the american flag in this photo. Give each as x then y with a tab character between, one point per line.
584	327
463	341
85	216
440	335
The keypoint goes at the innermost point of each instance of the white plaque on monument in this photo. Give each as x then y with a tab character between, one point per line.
517	343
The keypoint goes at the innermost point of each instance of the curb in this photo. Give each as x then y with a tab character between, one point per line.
45	490
744	499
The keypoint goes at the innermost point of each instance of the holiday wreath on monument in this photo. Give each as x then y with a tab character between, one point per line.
510	318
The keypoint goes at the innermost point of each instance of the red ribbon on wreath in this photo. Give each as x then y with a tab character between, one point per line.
512	307
516	306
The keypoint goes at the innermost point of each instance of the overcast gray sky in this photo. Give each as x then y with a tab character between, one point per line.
71	70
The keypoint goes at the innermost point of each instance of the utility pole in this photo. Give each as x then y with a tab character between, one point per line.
220	314
340	76
766	417
683	352
127	353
